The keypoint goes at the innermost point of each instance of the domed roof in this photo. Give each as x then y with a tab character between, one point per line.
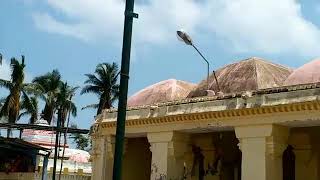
163	91
308	73
249	74
42	122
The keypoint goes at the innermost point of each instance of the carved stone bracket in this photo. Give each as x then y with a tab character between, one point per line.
275	137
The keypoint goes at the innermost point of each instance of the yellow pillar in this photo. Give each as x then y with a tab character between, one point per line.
102	157
305	158
262	147
168	150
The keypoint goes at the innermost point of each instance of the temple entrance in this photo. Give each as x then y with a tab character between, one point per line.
288	164
214	156
137	159
301	158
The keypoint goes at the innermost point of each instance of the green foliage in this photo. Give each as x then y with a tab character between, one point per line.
83	142
49	86
23	98
103	83
30	107
10	106
64	102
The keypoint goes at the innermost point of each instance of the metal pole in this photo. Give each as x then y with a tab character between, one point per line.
65	138
124	77
56	148
20	133
208	69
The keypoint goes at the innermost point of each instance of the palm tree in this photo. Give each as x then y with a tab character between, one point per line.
30	107
64	102
49	86
103	83
82	141
11	106
2	100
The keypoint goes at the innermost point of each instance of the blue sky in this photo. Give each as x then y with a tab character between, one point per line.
75	35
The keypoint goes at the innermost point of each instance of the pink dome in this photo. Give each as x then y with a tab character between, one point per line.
246	75
308	73
163	91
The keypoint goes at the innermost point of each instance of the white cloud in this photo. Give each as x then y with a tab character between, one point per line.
51	25
269	26
5	70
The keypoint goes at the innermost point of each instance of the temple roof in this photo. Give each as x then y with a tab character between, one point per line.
163	91
308	73
246	75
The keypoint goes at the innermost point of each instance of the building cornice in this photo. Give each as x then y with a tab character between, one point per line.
307	106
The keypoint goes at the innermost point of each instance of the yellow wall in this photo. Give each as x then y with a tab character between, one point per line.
137	160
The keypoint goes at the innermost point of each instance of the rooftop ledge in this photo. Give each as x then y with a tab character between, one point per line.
232	101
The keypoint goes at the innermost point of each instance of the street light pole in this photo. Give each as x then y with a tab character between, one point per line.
183	36
208	65
124	78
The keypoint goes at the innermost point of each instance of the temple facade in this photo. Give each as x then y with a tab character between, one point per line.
263	124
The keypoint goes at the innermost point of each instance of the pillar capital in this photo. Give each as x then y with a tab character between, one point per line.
176	142
262	131
167	150
166	137
264	145
97	145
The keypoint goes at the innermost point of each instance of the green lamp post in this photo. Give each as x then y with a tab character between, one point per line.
124	78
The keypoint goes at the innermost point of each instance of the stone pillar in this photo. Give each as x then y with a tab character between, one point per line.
168	150
262	147
102	157
305	158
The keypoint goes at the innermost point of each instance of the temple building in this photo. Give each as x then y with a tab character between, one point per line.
263	124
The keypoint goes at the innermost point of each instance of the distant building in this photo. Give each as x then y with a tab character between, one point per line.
263	125
19	159
74	159
31	158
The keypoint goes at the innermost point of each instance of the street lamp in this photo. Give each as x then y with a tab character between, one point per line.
183	36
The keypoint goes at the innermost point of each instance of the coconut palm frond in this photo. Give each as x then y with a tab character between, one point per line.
104	84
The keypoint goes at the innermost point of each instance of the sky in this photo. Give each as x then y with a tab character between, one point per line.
75	35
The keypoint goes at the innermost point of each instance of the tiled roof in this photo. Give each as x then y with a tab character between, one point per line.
246	75
168	90
308	73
